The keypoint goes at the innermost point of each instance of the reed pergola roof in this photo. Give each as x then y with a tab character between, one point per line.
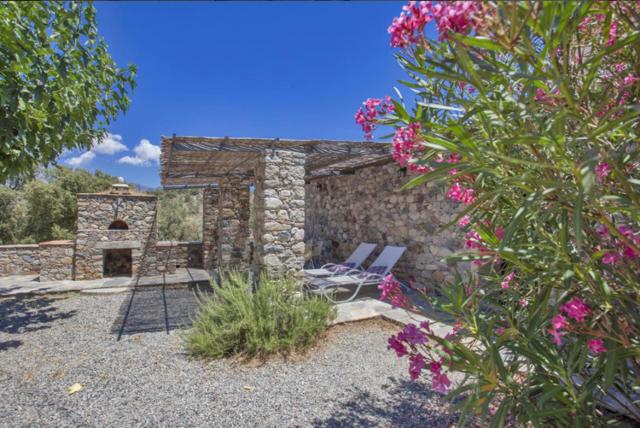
204	161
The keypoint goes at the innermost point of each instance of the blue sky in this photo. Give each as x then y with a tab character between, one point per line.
287	70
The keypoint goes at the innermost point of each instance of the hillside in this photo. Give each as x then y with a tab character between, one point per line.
44	208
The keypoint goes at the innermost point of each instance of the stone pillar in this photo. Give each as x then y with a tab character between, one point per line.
279	208
233	224
210	202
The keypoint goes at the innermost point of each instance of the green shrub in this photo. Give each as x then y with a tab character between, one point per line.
528	112
276	318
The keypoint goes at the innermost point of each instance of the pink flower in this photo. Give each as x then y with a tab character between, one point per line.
441	383
541	95
474	240
559	322
596	346
406	146
407	28
456	17
630	80
412	334
367	115
390	290
610	258
416	364
507	280
613	33
576	309
602	231
435	367
464	221
500	331
396	345
523	303
557	336
460	194
602	170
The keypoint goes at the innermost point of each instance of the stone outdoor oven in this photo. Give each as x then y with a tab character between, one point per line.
116	233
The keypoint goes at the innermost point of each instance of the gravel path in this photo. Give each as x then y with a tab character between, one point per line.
146	379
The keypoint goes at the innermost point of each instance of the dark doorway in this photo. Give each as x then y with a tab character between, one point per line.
117	263
118	225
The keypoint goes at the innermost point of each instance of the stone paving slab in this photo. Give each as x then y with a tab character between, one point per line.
28	284
367	308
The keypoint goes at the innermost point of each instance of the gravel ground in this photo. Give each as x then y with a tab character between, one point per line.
147	379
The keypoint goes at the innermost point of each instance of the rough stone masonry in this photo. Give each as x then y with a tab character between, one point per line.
368	206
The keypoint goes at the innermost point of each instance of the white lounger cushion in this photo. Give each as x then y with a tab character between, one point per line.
354	261
378	269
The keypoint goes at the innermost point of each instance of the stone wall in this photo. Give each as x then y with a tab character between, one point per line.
233	224
56	260
225	225
171	255
19	259
367	206
280	213
96	212
210	202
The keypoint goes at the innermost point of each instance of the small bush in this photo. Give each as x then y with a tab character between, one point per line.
275	318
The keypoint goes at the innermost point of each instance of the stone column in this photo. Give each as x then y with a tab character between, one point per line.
210	206
233	224
279	208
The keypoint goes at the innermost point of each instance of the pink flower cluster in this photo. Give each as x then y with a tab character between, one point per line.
621	94
456	17
462	194
578	310
622	251
390	290
406	342
371	109
602	170
595	22
450	17
506	281
596	346
407	28
407	146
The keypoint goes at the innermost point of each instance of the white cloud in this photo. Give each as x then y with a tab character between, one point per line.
81	160
110	145
146	154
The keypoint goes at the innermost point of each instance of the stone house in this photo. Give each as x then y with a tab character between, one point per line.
264	201
335	193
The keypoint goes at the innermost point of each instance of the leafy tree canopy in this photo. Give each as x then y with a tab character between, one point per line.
59	87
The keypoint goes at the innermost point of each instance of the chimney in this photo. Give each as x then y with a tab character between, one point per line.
120	187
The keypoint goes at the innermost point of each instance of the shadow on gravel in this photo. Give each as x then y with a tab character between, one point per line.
163	308
25	314
8	344
404	404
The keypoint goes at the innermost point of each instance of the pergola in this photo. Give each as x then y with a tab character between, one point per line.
203	161
279	169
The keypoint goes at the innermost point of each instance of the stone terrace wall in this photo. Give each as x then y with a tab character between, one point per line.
56	260
19	259
174	254
367	207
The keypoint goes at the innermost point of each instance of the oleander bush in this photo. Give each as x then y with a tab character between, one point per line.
527	113
275	318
